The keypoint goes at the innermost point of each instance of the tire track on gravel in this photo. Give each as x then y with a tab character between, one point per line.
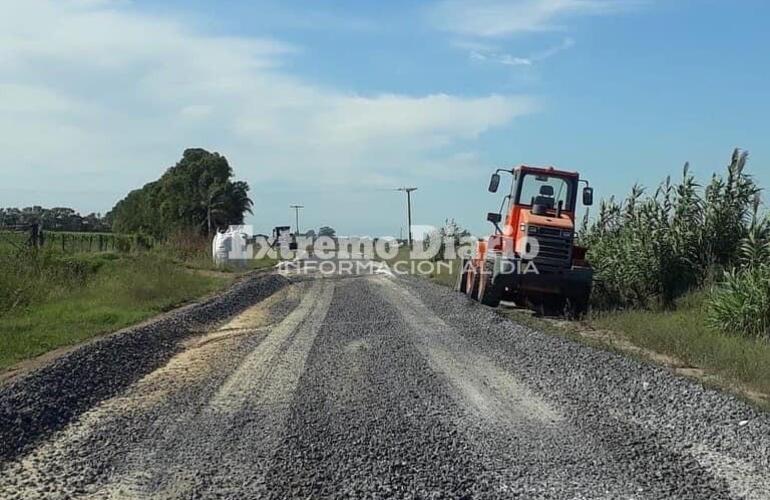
370	419
117	450
485	389
651	423
35	404
223	450
536	448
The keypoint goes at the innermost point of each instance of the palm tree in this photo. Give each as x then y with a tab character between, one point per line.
238	202
226	204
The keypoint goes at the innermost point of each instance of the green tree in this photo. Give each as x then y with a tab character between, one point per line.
196	195
327	231
54	219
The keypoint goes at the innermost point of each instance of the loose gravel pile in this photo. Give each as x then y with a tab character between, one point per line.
36	404
670	431
381	387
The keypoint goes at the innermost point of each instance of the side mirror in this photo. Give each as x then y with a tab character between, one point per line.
494	182
588	196
494	217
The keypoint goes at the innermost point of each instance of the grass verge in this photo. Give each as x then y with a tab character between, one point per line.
114	292
684	334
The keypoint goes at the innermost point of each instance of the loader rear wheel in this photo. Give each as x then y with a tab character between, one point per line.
489	293
551	306
577	306
472	283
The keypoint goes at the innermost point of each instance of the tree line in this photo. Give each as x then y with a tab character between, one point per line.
53	219
197	195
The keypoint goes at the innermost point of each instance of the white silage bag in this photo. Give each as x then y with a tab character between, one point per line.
221	248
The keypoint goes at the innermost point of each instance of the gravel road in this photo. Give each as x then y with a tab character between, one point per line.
380	386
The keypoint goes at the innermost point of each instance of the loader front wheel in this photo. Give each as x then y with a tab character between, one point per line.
489	293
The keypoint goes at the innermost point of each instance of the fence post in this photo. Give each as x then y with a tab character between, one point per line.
34	236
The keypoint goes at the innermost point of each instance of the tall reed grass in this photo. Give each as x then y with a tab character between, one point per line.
650	249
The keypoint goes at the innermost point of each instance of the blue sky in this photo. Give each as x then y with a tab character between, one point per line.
332	104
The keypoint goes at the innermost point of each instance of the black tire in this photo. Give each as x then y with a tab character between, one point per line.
548	306
472	290
461	285
489	293
577	306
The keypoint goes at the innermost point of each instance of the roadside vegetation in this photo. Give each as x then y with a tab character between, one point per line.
76	279
650	250
685	334
686	272
49	300
77	241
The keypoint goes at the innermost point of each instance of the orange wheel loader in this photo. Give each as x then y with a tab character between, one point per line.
531	259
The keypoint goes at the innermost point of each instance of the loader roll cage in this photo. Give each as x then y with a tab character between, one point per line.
529	186
558	197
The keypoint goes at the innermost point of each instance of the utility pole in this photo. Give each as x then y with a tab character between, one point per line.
408	191
296	217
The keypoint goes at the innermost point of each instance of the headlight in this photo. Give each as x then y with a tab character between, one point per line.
566	234
532	229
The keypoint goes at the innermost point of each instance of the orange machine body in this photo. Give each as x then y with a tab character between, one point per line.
532	255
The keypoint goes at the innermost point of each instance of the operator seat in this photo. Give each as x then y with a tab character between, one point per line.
545	198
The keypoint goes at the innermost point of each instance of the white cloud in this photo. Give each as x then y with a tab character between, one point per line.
504	59
497	18
510	60
95	92
565	44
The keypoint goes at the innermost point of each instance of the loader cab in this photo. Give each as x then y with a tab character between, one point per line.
542	203
544	191
540	197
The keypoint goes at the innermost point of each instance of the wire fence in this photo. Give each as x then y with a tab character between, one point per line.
21	238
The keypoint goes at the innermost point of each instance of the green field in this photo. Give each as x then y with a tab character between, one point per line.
77	242
65	293
68	300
